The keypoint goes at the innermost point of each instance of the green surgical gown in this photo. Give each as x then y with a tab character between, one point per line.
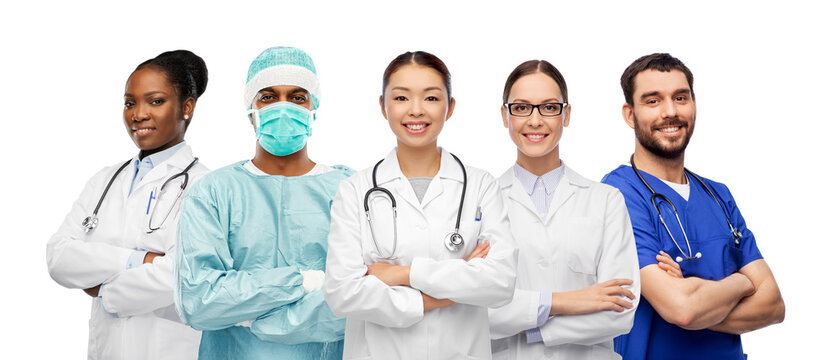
242	241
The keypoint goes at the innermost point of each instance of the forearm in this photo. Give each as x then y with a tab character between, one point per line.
139	290
705	303
80	265
486	282
588	329
216	299
306	320
766	307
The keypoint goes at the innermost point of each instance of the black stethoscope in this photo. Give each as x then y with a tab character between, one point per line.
736	234
453	241
89	223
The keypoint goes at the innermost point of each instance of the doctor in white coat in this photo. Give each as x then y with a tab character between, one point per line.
578	280
117	242
406	294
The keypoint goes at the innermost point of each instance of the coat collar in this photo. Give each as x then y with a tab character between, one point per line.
569	184
176	163
389	171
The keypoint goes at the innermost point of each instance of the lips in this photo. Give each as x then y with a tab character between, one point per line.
416	127
144	131
672	129
535	137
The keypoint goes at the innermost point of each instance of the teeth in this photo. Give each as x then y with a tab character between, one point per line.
670	129
143	131
536	136
415	126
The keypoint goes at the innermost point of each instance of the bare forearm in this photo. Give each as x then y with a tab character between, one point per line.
694	303
766	307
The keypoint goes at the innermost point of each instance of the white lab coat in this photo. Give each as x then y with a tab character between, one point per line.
586	238
142	323
386	322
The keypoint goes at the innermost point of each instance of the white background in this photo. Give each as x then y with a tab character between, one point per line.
766	79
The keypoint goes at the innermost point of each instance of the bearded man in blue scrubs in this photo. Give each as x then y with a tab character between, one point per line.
703	279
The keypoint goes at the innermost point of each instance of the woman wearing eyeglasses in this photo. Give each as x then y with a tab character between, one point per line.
578	275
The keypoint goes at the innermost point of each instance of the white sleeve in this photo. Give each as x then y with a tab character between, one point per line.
486	282
517	316
74	262
347	290
619	260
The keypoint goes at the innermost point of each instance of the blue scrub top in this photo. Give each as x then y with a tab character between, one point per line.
651	336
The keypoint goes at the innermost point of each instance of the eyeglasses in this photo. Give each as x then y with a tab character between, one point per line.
546	109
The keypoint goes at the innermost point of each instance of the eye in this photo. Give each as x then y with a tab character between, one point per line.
681	98
266	97
400	98
298	99
431	98
520	107
129	104
652	101
549	107
157	102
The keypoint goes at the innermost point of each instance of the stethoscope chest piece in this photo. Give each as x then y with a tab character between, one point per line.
453	242
89	223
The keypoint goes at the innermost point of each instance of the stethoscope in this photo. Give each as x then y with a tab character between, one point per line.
453	241
89	223
736	234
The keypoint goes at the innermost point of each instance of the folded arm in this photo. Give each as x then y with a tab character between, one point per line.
765	307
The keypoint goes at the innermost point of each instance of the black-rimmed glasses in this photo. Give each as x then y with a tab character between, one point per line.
525	109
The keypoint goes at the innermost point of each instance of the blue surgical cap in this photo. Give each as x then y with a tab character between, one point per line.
282	66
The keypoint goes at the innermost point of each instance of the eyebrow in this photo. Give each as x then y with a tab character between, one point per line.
296	89
430	88
547	101
155	92
657	93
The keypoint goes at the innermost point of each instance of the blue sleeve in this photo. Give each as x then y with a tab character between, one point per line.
210	293
748	246
644	227
307	320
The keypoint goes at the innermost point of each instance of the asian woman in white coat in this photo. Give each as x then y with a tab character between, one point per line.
117	242
578	280
410	288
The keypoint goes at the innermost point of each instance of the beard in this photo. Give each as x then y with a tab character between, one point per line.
664	148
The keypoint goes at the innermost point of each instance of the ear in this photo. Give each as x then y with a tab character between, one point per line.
627	115
504	116
567	119
451	109
382	105
188	107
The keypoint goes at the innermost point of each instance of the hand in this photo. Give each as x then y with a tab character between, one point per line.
93	292
392	275
599	297
150	256
480	251
666	263
430	303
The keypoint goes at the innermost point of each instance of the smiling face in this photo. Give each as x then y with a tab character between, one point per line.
415	105
536	136
153	114
664	113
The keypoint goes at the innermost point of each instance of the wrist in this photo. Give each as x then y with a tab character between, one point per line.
556	300
406	275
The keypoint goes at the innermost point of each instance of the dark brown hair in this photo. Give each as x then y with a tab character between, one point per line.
421	58
532	67
186	72
659	62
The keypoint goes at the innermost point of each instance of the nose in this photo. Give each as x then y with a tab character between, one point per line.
535	119
140	113
416	109
668	109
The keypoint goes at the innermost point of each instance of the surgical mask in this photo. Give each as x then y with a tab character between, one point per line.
283	127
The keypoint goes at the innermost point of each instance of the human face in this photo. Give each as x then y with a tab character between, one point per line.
664	113
292	94
536	136
153	114
415	105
